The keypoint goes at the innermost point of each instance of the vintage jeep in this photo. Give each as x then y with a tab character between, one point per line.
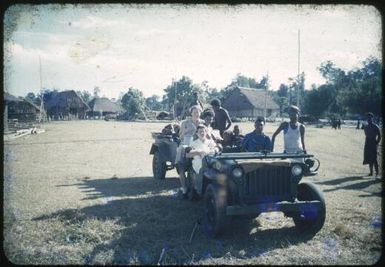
164	151
251	183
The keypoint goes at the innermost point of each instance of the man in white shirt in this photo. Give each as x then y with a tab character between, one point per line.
293	133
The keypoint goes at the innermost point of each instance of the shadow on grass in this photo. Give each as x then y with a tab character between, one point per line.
341	180
351	183
154	219
121	187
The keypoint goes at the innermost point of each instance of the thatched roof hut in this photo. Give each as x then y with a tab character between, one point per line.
66	105
250	102
18	110
104	105
10	98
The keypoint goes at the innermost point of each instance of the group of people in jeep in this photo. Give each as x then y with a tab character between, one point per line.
207	132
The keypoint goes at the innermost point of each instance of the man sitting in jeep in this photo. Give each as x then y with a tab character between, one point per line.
256	141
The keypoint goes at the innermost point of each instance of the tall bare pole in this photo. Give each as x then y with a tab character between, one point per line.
174	106
299	58
266	89
41	93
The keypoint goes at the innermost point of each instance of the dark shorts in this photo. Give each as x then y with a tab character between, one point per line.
370	151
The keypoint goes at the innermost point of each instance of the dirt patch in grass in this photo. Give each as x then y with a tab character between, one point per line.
83	193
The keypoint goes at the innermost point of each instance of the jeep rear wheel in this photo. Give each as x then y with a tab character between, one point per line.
158	166
310	220
215	218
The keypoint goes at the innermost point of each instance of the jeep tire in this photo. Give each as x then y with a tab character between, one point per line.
310	221
158	166
215	218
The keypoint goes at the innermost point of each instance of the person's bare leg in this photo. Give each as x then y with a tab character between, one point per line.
370	169
182	178
376	167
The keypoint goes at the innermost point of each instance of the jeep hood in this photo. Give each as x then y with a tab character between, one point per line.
249	165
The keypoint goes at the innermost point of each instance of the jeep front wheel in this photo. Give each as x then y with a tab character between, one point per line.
311	219
215	218
158	166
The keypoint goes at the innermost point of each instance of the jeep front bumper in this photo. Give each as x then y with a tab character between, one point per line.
284	206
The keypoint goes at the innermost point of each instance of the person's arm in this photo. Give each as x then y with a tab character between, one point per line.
268	146
181	130
244	142
280	128
194	152
302	132
213	147
200	103
378	135
228	120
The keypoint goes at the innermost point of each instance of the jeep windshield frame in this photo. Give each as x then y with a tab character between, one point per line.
260	155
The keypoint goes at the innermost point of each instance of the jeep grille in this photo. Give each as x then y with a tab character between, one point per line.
270	183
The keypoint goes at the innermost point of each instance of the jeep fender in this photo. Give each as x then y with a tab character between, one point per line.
154	148
211	174
166	152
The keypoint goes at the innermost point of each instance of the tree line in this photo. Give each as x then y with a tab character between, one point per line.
345	94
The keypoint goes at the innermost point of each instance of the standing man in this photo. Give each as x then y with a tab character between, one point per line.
293	133
256	141
222	120
196	101
372	139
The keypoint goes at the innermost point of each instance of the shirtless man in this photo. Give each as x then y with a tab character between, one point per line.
222	120
293	133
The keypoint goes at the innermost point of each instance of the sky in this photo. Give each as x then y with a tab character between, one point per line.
118	46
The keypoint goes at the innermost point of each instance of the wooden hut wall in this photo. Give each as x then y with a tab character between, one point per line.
22	111
68	106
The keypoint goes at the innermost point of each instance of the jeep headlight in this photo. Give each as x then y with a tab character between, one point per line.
296	170
237	172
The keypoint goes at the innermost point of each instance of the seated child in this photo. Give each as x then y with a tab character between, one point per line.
228	139
237	136
200	147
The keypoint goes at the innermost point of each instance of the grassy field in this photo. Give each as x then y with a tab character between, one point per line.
83	193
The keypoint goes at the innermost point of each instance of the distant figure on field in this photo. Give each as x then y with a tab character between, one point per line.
372	139
339	124
358	124
334	124
293	133
222	120
256	141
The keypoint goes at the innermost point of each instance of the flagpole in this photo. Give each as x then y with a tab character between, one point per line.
299	58
41	93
